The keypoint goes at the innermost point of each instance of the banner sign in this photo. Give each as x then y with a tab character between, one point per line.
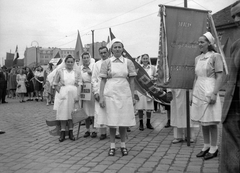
86	91
180	29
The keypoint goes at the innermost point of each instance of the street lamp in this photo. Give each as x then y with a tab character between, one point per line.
36	51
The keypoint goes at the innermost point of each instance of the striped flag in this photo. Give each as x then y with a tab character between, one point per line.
16	56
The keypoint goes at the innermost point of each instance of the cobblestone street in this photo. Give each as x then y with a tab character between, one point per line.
27	147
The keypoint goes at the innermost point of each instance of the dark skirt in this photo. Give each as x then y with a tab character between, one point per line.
39	85
30	87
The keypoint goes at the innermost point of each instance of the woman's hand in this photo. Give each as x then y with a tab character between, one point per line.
102	102
57	88
136	97
97	97
89	72
213	98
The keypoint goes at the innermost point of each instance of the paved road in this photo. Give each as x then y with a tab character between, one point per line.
27	147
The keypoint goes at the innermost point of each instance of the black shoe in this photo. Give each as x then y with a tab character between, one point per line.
70	134
124	151
36	99
117	137
202	153
62	136
149	126
168	124
1	132
87	134
111	152
103	136
4	102
141	127
210	155
128	129
94	135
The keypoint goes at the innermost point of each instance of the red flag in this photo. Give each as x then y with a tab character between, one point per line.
16	56
78	49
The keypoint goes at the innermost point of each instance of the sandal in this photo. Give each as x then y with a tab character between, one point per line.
124	151
111	152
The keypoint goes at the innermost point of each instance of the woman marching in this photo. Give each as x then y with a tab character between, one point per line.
39	78
117	95
144	103
206	105
66	83
88	105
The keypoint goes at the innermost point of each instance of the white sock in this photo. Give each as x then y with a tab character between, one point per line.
205	147
123	145
213	149
112	145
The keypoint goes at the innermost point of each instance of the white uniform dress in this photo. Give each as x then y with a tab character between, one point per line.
144	102
64	100
205	68
88	105
21	83
96	80
119	110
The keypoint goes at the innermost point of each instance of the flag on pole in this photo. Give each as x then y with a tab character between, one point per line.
16	56
108	43
78	49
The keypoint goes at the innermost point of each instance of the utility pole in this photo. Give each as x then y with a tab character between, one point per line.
187	105
92	43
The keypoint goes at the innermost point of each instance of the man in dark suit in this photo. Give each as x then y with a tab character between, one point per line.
3	84
230	149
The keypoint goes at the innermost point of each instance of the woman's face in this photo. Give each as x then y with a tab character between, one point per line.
86	59
203	44
145	60
27	69
117	49
69	63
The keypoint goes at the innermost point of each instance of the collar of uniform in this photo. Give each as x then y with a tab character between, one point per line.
120	59
148	66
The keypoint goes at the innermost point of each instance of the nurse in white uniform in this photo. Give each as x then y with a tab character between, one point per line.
117	95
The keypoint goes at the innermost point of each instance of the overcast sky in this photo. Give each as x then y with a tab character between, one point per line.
54	23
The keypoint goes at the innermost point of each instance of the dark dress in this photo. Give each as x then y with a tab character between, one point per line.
29	85
230	146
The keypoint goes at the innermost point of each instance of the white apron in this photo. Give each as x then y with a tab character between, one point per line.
119	110
201	110
64	100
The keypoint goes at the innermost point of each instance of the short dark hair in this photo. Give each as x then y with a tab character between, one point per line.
69	56
103	47
85	53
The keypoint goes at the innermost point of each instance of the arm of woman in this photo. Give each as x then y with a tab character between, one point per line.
132	87
56	81
102	86
216	87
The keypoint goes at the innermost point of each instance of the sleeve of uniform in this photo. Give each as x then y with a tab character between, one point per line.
218	65
95	79
131	68
57	77
104	69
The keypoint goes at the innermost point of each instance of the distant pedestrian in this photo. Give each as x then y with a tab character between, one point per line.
3	84
39	78
21	86
29	84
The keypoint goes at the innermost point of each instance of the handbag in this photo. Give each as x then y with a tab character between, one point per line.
78	115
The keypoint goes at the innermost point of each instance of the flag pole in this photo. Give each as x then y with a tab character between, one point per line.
92	43
187	104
